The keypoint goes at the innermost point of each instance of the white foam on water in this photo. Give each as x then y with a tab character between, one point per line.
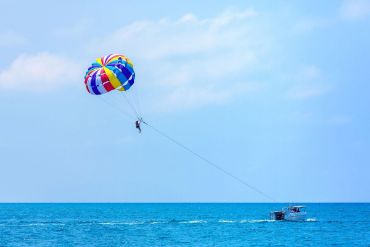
256	221
106	223
193	222
43	224
226	221
311	220
120	223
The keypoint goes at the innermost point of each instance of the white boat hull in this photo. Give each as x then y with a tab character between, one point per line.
291	213
300	216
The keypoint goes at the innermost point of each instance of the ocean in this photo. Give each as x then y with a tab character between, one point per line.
180	224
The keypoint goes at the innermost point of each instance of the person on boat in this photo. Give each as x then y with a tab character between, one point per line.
137	124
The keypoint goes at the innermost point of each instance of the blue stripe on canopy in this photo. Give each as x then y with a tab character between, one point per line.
124	70
129	82
93	84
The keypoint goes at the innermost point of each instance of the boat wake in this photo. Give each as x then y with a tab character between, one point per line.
259	221
148	222
312	220
193	222
227	221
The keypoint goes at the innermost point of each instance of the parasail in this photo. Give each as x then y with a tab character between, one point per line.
114	71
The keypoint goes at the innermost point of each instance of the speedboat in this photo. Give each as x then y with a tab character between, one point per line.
291	213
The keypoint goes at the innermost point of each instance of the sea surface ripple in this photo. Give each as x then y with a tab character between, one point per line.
181	224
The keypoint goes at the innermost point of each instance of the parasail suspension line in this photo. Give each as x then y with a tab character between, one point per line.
207	161
132	106
124	113
202	158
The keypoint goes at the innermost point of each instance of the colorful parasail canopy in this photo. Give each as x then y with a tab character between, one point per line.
114	71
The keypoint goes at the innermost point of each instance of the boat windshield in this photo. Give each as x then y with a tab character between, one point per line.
296	209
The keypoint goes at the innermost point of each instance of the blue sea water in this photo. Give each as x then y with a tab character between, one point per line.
181	224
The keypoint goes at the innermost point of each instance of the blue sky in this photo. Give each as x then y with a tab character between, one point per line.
276	93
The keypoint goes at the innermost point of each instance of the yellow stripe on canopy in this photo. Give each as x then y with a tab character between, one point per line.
112	78
130	62
98	60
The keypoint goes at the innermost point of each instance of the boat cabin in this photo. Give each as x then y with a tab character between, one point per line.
277	215
296	209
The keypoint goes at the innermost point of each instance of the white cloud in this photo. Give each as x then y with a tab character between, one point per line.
190	62
188	35
180	98
348	10
39	72
355	9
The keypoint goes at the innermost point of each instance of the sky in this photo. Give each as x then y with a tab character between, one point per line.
273	92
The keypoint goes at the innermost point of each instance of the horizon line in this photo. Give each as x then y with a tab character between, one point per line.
91	202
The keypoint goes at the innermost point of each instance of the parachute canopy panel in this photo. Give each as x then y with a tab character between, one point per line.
114	71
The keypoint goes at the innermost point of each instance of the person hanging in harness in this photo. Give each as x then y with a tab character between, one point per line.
137	124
